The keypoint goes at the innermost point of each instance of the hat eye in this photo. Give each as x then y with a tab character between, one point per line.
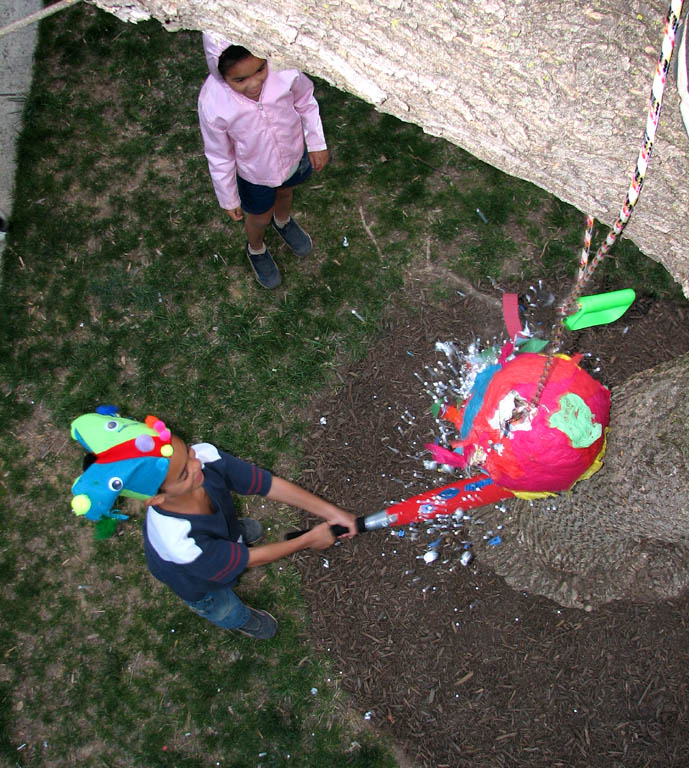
111	425
115	484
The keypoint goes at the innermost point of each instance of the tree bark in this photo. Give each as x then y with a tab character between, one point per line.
624	533
553	91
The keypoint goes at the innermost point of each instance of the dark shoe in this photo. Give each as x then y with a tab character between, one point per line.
261	625
251	530
295	237
267	274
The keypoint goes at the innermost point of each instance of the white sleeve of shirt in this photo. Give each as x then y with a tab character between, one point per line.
169	536
206	453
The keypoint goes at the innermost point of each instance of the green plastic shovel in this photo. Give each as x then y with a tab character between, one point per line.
600	309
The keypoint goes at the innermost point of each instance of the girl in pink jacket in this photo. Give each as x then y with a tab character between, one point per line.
262	135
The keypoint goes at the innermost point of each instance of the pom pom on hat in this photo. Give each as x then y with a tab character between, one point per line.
81	504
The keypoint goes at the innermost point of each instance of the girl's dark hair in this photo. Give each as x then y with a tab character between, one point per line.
230	56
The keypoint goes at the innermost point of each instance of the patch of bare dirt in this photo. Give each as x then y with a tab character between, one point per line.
456	666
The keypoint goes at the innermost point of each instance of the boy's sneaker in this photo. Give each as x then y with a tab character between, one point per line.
251	530
267	274
295	237
261	625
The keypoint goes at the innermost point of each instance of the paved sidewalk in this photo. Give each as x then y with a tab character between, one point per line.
16	64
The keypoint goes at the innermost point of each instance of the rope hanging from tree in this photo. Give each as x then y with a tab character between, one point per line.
587	269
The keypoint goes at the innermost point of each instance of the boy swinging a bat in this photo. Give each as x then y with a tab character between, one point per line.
194	541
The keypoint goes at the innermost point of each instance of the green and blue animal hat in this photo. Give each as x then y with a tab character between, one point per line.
128	458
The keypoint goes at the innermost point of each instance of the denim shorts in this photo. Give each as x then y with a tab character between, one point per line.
222	608
258	199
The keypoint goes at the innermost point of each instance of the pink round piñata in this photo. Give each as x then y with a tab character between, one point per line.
525	448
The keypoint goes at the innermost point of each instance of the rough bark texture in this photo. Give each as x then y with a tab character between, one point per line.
553	92
623	534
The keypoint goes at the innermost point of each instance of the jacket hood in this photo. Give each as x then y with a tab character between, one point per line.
213	47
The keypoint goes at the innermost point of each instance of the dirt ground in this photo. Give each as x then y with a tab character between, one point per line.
460	669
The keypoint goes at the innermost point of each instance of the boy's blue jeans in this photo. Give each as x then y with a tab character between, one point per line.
222	608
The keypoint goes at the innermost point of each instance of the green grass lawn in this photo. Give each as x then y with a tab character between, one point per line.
124	283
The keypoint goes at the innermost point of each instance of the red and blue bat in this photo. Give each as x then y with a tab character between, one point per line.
469	493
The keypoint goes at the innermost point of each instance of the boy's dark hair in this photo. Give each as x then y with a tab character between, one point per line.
88	459
230	56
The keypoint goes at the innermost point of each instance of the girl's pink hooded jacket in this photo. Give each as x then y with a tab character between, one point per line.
261	140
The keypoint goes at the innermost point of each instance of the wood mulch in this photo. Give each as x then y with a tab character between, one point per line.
457	667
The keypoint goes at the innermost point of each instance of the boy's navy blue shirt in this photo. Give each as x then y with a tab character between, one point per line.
196	554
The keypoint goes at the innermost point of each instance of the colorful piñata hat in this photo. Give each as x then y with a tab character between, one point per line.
131	459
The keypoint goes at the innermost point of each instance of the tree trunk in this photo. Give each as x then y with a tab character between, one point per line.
553	92
624	533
